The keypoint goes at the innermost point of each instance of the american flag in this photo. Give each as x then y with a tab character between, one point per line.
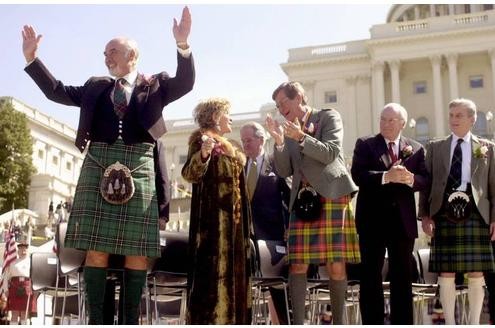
9	256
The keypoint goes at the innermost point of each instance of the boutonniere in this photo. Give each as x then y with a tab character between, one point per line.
480	151
407	151
147	79
311	128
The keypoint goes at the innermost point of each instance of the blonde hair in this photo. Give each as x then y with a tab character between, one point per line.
207	112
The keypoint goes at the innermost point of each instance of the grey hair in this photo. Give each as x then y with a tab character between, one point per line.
258	129
130	45
397	108
466	103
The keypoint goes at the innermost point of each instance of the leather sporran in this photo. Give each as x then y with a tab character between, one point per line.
458	207
308	204
116	185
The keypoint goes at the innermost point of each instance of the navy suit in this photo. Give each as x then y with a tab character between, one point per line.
386	219
269	205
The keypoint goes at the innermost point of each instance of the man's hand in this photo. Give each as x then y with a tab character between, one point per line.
275	130
182	30
293	130
30	42
399	174
428	225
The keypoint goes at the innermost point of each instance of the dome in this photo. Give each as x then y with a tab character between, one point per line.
409	12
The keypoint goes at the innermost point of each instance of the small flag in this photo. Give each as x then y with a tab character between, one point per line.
9	256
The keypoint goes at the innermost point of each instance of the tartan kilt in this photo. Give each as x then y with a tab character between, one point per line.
461	247
19	292
126	229
332	238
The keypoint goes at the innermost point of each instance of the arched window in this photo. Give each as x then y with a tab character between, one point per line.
422	130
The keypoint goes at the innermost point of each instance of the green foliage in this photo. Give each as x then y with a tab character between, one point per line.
16	164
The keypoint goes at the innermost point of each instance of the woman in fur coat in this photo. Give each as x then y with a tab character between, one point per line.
220	223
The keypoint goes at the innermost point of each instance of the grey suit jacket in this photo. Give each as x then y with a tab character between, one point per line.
320	159
482	177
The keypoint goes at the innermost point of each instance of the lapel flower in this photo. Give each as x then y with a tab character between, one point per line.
311	128
480	151
407	151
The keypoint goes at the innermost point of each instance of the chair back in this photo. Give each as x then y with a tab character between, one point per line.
174	252
43	271
427	277
71	259
272	261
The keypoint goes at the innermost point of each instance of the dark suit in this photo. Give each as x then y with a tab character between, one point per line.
269	209
269	205
98	122
386	219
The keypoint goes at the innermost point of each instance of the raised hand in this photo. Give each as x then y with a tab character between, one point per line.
275	130
30	42
182	30
293	130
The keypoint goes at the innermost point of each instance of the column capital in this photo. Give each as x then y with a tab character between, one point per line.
378	65
394	64
452	58
364	77
351	79
435	59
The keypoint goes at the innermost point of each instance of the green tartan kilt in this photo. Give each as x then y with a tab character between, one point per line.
461	247
126	229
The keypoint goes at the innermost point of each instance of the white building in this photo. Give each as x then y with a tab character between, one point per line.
56	160
422	57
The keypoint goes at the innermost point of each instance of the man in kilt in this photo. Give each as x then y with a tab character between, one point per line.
458	210
388	168
308	147
115	205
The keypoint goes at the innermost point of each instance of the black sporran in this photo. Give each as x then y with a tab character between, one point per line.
458	207
308	204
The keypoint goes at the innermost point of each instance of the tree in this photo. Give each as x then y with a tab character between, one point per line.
16	163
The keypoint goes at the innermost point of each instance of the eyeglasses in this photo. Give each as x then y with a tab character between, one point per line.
281	102
390	120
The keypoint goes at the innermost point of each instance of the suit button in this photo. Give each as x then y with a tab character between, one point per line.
120	130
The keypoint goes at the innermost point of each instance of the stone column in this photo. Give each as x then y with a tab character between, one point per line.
491	52
432	10
440	118
394	74
378	93
452	62
309	88
351	128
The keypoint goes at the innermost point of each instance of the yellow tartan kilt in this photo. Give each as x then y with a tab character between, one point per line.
332	238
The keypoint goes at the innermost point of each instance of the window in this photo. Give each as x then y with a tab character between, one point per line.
487	7
68	166
476	81
419	87
330	97
41	154
55	160
182	159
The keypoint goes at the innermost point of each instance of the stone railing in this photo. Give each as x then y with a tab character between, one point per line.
433	24
327	51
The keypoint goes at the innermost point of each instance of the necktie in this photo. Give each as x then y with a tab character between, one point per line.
252	178
455	174
393	157
119	98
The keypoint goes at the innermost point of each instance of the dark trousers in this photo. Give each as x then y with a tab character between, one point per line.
400	261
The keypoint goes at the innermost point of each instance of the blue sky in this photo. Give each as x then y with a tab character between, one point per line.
237	48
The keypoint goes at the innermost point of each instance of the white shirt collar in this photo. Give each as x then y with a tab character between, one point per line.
131	77
466	138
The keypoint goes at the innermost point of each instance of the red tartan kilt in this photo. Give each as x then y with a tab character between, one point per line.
19	291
